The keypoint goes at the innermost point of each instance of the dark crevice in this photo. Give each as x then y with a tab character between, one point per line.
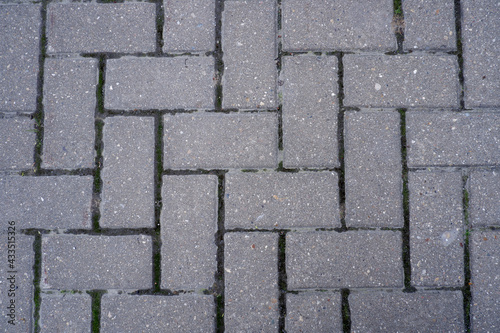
398	25
160	18
219	241
158	183
279	64
458	28
340	140
96	296
282	279
37	274
346	311
466	290
218	55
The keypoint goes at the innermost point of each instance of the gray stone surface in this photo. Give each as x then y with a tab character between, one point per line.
310	111
373	180
484	198
429	25
19	50
128	173
66	313
485	271
439	138
188	227
16	279
49	202
251	282
401	81
185	313
69	106
160	83
215	141
249	46
436	229
338	25
380	311
83	262
349	259
481	52
189	25
17	143
313	312
84	27
281	200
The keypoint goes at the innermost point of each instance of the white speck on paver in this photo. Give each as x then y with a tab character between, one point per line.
449	236
415	71
377	86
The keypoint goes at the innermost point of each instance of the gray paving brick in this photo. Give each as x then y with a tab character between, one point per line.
16	279
485	272
84	27
185	313
188	226
211	141
481	53
401	81
429	25
251	282
484	198
338	25
449	138
313	312
189	25
310	112
17	143
83	262
128	173
281	200
19	50
373	182
160	83
249	46
66	313
69	107
344	260
436	311
436	229
49	202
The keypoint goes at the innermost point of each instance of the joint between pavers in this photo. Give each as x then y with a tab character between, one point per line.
159	26
219	285
459	53
218	55
346	311
466	290
158	203
282	280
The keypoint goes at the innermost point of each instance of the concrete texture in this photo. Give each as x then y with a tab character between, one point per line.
484	196
66	312
17	143
313	312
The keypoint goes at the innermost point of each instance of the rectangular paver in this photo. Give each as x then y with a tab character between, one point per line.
69	106
17	143
401	81
484	198
313	312
282	200
310	111
160	83
343	260
373	182
251	282
188	226
212	141
85	262
66	312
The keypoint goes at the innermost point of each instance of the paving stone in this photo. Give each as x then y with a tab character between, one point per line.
310	112
481	52
429	25
484	196
83	262
436	229
17	143
84	27
49	202
251	282
185	313
395	311
282	200
450	138
128	173
16	279
373	176
249	47
160	83
344	260
214	141
313	312
19	51
69	107
401	81
66	313
188	226
485	271
189	25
